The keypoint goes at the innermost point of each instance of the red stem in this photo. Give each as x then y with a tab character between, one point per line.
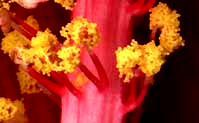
91	77
19	29
130	106
45	81
140	7
27	27
61	77
129	91
100	69
147	7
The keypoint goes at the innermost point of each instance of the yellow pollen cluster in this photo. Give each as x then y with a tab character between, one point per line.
44	40
19	116
5	4
149	57
67	4
15	39
45	59
151	60
7	109
127	58
43	52
146	57
28	85
81	31
12	40
70	57
166	20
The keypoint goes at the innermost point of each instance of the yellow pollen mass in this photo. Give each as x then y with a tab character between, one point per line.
44	39
81	31
127	58
149	57
12	40
20	116
28	85
151	60
70	58
7	109
15	39
166	20
67	4
44	58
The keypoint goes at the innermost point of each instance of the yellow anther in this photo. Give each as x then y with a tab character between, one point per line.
44	39
81	31
28	85
19	116
127	58
69	59
67	4
151	60
147	58
12	40
7	109
167	20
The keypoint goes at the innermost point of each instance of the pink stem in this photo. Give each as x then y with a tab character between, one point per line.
45	81
61	77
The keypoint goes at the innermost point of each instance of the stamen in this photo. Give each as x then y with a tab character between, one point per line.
57	89
61	77
90	76
130	106
100	69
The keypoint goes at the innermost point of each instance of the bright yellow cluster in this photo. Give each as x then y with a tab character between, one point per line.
146	57
5	4
28	85
127	58
44	40
67	4
45	59
166	20
70	57
149	57
15	39
19	116
42	51
7	109
12	40
81	31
